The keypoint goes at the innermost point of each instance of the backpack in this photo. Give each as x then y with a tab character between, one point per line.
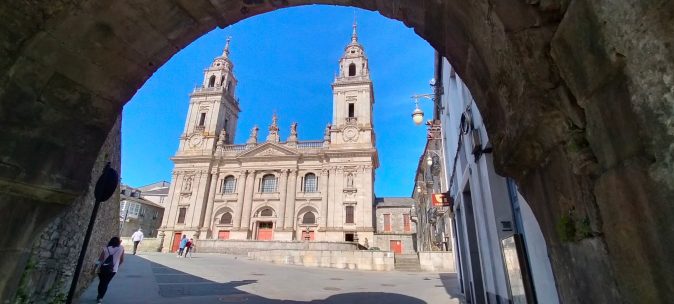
108	265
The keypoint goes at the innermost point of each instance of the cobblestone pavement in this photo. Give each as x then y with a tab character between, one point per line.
216	278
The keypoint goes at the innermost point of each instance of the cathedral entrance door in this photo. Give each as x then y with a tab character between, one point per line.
176	241
396	246
264	231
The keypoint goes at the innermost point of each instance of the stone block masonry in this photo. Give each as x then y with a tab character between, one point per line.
437	261
349	259
47	277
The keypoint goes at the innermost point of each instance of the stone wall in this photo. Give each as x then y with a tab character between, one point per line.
147	245
48	275
441	261
383	241
346	259
243	247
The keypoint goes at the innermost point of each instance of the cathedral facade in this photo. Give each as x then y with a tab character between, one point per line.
270	189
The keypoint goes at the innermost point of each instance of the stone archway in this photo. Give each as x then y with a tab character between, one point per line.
576	95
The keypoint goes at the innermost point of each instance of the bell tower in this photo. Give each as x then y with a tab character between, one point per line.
214	109
353	98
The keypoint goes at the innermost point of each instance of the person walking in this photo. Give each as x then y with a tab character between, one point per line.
189	247
111	257
137	237
183	243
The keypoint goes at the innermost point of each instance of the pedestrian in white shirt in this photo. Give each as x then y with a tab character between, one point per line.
137	237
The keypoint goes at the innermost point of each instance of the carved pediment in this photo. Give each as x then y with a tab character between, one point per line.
268	150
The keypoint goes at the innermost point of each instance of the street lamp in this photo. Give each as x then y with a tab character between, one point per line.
418	114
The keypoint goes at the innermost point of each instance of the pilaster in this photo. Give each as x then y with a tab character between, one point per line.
208	218
325	176
244	224
240	192
290	201
282	205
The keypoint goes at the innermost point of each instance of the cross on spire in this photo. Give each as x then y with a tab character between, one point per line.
225	52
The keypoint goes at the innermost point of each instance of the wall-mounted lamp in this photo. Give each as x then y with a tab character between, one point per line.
418	114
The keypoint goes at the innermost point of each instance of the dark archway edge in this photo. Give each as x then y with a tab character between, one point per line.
576	95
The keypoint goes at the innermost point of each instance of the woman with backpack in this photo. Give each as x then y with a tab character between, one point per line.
111	257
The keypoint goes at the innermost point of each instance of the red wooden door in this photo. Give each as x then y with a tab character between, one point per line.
223	235
265	231
176	241
397	246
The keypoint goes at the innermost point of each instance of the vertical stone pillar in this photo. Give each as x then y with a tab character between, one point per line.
290	201
240	188
172	204
247	201
368	196
195	216
208	218
334	198
282	206
325	175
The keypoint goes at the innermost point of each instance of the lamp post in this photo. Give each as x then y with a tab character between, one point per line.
105	187
418	114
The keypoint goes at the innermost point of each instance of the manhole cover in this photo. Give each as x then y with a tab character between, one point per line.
331	288
257	274
336	279
427	279
388	285
240	298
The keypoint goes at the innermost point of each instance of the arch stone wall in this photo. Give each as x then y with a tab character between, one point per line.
577	96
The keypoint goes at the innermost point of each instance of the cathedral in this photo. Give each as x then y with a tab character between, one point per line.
268	188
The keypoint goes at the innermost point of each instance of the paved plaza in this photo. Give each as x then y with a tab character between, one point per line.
217	278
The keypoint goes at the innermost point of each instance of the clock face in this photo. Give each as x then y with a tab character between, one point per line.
350	134
195	140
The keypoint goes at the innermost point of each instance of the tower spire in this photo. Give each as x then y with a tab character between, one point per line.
354	35
225	52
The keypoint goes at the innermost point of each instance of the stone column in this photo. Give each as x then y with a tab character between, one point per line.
240	188
324	198
332	186
290	201
247	201
282	206
208	218
172	204
368	196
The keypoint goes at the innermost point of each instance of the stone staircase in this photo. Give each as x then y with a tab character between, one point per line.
407	262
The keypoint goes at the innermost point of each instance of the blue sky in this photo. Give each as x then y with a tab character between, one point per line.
285	61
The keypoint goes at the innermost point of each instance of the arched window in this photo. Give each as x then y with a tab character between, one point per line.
222	80
211	81
226	219
309	218
352	69
229	184
266	212
310	183
268	183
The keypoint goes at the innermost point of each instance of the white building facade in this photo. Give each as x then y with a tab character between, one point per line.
272	189
500	250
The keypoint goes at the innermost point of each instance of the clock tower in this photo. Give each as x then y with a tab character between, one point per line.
213	111
353	99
